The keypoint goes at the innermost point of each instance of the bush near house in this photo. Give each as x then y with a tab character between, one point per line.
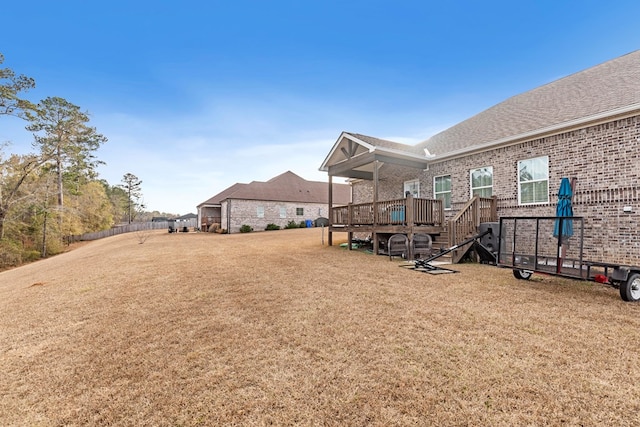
272	227
292	224
246	228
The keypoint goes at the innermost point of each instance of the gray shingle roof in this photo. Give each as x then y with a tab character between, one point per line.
287	187
377	142
605	87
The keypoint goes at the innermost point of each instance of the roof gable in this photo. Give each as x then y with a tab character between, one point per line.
352	145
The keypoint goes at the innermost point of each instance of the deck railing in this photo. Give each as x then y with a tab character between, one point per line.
408	211
465	223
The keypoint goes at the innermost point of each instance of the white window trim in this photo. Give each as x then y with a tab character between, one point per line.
260	211
442	192
518	182
480	188
283	212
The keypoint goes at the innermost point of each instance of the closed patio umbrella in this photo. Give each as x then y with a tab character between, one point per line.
564	209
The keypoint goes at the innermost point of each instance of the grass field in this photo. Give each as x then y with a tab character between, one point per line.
274	328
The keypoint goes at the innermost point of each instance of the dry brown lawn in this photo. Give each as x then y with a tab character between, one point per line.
273	328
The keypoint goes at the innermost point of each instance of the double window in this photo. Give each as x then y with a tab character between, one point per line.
533	180
482	182
442	189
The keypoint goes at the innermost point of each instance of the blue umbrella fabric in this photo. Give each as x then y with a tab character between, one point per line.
564	209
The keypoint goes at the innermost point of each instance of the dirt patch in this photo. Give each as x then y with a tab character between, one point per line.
273	328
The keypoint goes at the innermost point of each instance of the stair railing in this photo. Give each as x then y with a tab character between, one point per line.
466	222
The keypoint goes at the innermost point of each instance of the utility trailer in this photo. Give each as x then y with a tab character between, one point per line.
554	246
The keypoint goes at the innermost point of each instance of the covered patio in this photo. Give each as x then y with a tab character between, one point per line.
356	157
360	157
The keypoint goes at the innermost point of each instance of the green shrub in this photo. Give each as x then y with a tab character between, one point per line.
302	224
272	227
246	228
10	254
31	255
291	224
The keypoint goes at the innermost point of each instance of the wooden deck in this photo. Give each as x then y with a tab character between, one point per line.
410	216
391	214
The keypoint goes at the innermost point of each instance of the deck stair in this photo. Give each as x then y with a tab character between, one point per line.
441	243
467	222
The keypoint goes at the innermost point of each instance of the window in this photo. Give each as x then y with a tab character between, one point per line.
299	211
482	182
442	189
533	180
260	211
412	187
283	212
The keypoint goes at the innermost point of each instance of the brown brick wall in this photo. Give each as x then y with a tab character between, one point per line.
604	158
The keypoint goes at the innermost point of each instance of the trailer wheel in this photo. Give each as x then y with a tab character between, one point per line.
630	290
522	274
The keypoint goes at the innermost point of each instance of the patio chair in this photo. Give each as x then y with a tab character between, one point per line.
398	245
421	246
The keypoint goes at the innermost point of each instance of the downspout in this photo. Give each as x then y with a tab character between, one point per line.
229	216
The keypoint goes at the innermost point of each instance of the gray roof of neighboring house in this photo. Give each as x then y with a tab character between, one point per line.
606	87
187	216
287	187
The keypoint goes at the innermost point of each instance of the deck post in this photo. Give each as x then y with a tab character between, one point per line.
476	212
409	212
409	217
330	216
374	235
494	208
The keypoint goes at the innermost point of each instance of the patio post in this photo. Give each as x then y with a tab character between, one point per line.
330	216
409	215
374	235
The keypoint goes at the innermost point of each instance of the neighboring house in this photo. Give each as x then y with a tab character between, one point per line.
186	221
282	199
512	156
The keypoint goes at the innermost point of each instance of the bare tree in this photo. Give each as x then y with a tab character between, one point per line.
14	171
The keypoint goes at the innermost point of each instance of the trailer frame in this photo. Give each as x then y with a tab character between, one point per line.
515	251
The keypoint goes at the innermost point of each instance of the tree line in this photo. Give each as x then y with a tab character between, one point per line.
54	191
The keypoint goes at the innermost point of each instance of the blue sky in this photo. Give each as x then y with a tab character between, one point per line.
195	96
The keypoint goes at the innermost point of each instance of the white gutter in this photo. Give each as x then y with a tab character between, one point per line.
538	133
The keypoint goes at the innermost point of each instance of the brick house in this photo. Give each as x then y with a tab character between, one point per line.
284	198
510	159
